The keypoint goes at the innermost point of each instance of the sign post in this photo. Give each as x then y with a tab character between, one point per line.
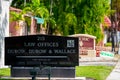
106	54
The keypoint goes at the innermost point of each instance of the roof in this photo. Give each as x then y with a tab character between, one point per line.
15	9
86	35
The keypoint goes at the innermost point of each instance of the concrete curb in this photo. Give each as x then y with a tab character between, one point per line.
45	78
115	74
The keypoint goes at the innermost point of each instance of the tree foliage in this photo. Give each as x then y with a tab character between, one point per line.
92	14
72	16
16	16
36	9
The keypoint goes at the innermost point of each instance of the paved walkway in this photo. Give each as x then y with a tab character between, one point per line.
115	74
98	61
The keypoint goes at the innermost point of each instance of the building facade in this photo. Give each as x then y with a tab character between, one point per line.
4	27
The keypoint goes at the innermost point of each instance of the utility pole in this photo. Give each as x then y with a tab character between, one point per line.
114	27
112	31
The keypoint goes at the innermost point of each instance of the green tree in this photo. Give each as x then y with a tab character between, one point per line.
35	8
19	3
91	15
65	19
16	17
71	16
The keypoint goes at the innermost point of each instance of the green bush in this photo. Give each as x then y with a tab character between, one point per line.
108	44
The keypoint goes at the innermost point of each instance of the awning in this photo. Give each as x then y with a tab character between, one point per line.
39	20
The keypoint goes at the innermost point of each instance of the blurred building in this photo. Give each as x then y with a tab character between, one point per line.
12	26
4	27
106	25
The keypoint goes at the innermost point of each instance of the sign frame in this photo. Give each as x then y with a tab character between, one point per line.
41	50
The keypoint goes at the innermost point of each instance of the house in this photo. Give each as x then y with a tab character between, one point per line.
19	28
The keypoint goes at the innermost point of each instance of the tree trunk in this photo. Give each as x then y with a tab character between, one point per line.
42	30
32	28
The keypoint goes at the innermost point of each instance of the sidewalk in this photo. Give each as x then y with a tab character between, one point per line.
115	74
96	59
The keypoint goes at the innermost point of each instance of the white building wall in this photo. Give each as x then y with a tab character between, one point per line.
4	27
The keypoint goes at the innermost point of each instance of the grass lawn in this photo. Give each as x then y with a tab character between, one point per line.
5	72
95	72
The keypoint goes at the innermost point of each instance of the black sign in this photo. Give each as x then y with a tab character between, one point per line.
41	50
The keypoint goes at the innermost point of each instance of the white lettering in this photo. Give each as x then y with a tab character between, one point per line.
36	51
84	38
47	44
64	51
40	38
16	51
30	44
